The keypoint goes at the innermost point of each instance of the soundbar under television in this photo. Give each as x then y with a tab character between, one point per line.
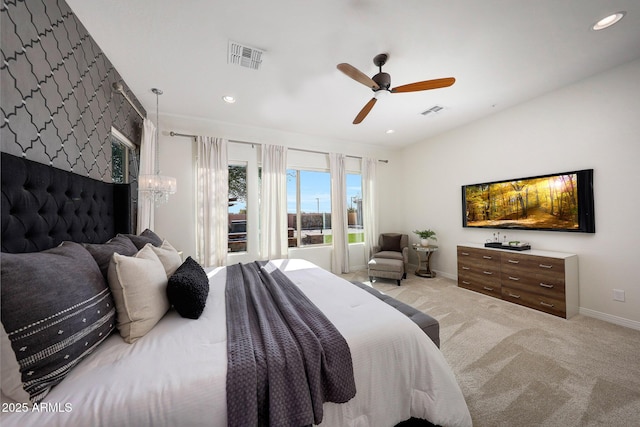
555	202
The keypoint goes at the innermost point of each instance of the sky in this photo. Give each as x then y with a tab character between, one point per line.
315	191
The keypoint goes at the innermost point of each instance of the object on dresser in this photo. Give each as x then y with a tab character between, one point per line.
513	245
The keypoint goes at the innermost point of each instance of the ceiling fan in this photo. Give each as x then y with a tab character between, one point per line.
381	82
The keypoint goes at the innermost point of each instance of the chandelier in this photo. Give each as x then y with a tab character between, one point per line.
155	186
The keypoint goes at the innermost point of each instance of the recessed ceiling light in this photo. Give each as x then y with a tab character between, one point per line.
608	21
228	99
389	131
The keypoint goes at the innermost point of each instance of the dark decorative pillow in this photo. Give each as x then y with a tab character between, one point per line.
103	252
147	236
391	243
188	289
56	309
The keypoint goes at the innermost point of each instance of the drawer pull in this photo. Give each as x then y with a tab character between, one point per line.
545	285
487	257
464	253
465	282
513	261
545	266
514	278
488	272
465	268
486	288
514	296
546	304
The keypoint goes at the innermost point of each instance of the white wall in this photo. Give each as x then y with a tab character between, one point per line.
595	124
175	220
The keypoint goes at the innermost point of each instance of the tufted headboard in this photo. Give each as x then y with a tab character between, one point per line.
43	206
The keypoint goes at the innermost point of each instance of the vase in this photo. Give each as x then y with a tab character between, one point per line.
424	242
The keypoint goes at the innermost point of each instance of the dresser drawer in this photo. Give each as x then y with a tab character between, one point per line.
488	272
480	284
549	305
529	264
547	285
478	255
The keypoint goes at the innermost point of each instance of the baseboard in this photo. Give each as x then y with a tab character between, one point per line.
446	275
610	318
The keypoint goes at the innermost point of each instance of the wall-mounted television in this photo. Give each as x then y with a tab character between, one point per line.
554	202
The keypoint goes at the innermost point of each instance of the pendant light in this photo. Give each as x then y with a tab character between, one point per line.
157	187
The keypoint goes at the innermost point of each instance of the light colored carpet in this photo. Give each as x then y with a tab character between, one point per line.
519	367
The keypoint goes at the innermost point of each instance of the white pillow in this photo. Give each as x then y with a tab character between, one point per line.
169	257
139	288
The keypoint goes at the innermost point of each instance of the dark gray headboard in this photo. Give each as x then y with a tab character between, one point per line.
43	206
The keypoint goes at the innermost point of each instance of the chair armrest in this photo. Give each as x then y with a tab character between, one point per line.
405	254
375	249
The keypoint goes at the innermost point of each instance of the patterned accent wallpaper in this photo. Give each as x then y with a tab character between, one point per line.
57	103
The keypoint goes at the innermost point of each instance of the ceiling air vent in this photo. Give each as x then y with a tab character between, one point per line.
244	56
433	110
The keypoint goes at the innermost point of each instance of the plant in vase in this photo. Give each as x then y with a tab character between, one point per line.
425	236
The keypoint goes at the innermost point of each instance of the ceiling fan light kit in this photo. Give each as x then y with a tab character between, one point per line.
380	84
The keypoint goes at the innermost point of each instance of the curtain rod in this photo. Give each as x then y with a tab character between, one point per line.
172	133
119	88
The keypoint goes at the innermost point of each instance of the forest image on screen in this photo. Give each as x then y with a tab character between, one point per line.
542	203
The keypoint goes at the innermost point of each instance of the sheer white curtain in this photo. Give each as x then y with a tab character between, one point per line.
339	231
369	204
212	199
147	167
273	203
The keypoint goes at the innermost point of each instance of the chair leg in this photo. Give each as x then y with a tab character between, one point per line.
371	278
399	282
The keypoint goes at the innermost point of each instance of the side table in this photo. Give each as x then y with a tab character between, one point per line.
424	255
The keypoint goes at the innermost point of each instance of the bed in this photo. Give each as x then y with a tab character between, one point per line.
176	372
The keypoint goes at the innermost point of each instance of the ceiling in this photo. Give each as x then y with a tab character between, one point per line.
501	52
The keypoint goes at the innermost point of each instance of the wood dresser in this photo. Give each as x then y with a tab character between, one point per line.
542	280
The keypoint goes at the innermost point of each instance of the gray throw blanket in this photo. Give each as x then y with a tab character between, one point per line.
285	358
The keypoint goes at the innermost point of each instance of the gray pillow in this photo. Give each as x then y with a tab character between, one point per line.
102	252
391	243
56	309
147	236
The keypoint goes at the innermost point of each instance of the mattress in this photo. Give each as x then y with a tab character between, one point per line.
176	374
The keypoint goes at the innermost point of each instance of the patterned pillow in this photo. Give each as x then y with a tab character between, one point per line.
102	252
188	289
56	309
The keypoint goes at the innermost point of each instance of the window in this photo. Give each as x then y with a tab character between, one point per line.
308	207
122	153
354	208
237	208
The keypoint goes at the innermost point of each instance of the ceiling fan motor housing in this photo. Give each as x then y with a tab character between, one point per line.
383	80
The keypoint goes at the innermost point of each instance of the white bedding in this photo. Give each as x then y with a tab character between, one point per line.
176	374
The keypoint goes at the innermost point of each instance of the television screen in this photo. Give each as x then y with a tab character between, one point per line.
556	202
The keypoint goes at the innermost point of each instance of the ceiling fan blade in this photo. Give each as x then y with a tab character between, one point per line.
358	75
425	85
365	110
